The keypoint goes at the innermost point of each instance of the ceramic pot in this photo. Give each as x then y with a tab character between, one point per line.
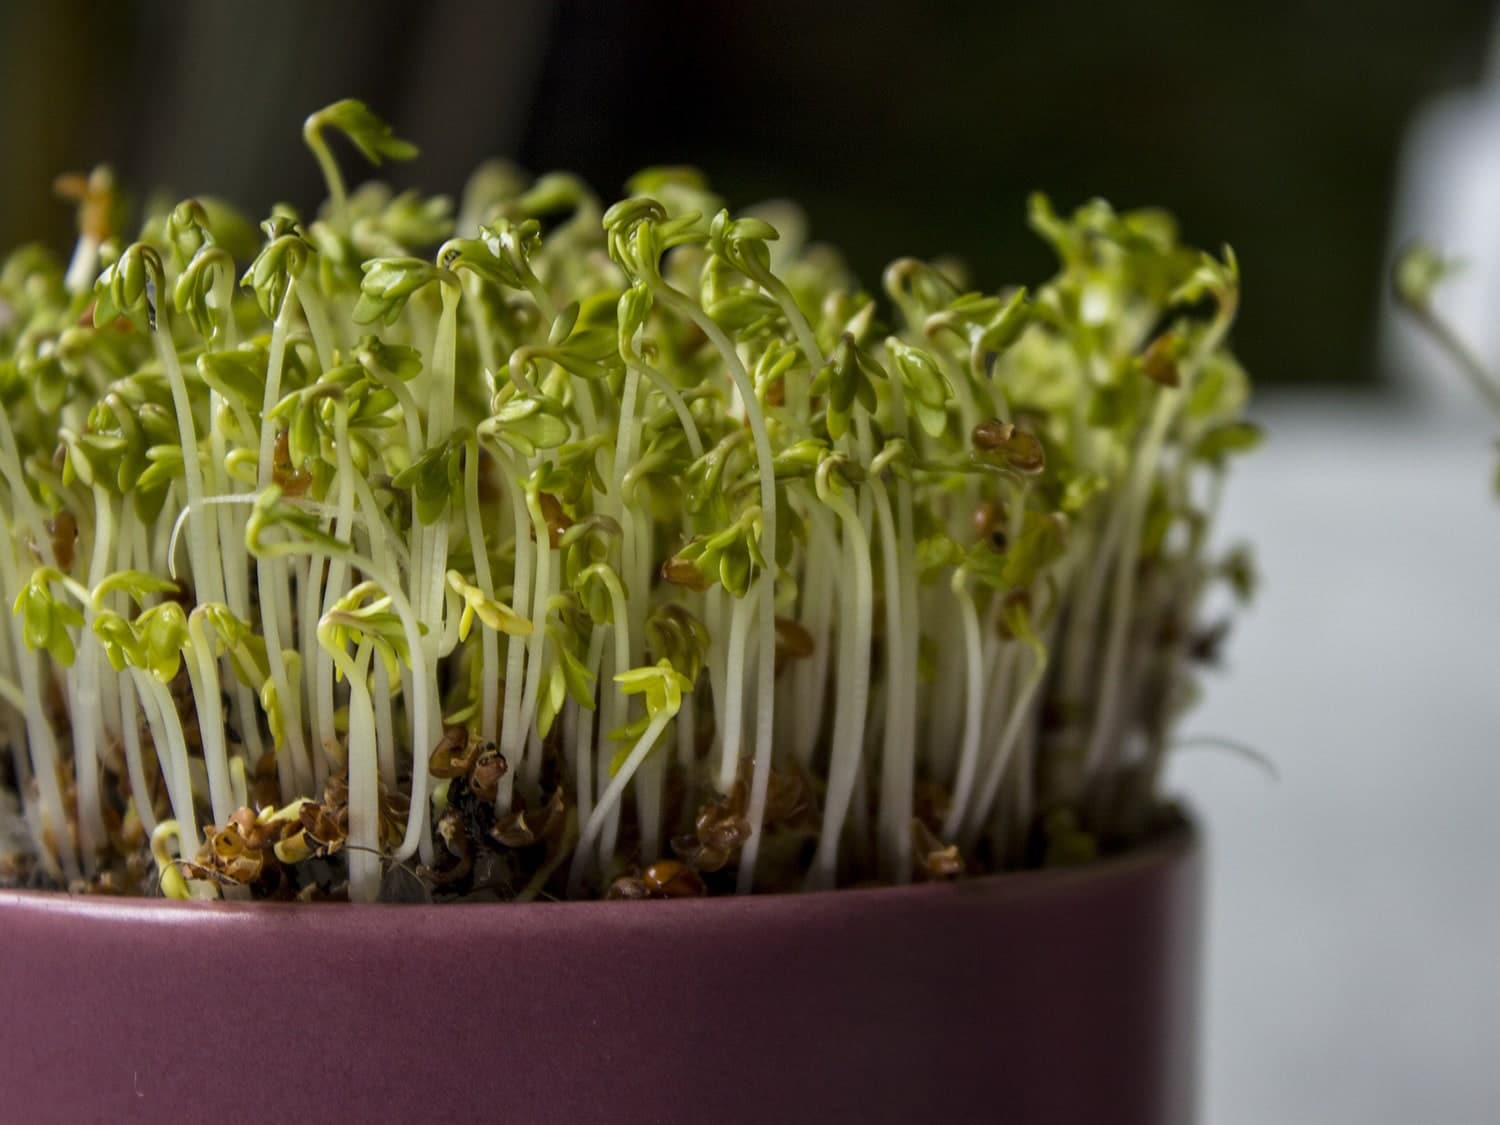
1031	999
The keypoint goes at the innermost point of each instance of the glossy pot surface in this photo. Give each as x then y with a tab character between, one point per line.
1062	997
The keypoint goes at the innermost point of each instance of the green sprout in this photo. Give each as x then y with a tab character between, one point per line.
535	543
1416	277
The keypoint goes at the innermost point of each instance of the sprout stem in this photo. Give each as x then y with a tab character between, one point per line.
855	614
294	768
611	796
203	676
171	751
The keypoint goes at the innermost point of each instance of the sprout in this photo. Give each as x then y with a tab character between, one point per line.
1415	278
568	550
372	136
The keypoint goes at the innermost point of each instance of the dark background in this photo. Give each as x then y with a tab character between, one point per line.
902	127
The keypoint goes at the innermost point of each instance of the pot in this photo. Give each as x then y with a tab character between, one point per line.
1061	996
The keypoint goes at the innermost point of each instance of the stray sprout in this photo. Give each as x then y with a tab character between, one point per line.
1418	272
571	550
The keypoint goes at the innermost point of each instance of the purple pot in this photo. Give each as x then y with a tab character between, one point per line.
1063	996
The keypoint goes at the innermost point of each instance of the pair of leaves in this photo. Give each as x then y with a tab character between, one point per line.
988	325
434	478
847	378
370	134
280	261
364	616
704	481
588	543
742	243
927	389
47	619
663	687
130	287
528	423
208	274
732	557
153	642
388	284
490	612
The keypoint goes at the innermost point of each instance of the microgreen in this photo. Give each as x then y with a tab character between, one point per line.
536	542
1418	273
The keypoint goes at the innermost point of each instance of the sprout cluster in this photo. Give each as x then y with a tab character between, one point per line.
535	548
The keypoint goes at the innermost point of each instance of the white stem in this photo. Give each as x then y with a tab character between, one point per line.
44	765
171	753
611	719
203	547
733	711
536	643
83	266
309	584
512	731
318	325
582	734
203	675
429	562
897	752
364	844
617	710
88	711
294	769
904	669
968	758
674	399
995	771
135	766
231	543
855	613
1122	592
54	842
489	642
483	339
385	727
337	584
611	797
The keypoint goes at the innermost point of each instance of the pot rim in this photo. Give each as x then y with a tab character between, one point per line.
1168	848
1061	996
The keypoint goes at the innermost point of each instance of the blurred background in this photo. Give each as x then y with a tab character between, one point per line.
1355	911
902	128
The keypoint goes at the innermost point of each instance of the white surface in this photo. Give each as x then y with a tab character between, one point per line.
1353	968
